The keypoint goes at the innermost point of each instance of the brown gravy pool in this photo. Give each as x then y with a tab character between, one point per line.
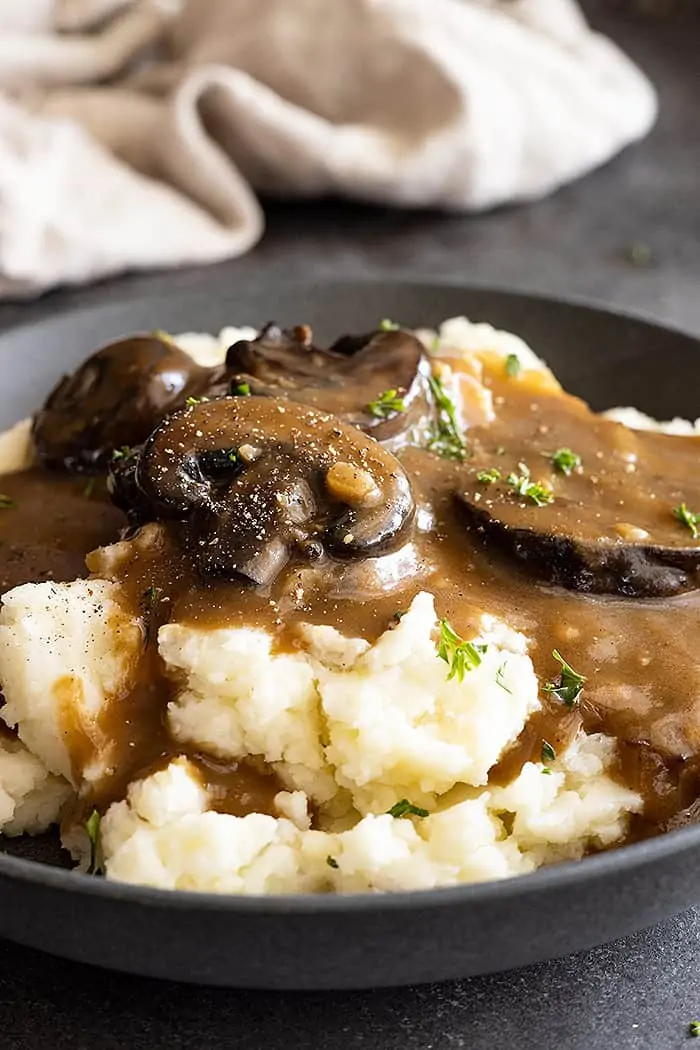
639	656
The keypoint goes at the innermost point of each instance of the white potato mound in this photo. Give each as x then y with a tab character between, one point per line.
458	336
395	725
65	650
162	835
636	420
209	350
31	798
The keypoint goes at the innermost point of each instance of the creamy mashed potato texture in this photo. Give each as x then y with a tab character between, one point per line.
383	754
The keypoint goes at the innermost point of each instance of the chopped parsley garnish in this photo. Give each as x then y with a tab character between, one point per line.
568	688
241	390
159	333
6	502
195	401
687	518
332	862
523	486
446	436
404	808
513	365
387	404
89	488
694	1028
151	595
232	455
499	679
487	477
122	453
92	826
460	656
548	752
564	460
546	771
388	326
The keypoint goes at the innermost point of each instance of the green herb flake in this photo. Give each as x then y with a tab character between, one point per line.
160	333
92	826
460	656
195	401
513	365
564	460
6	502
548	752
387	404
546	771
446	437
122	453
241	390
487	477
523	486
332	862
500	673
89	488
694	1029
388	326
232	455
687	518
404	808
151	594
570	685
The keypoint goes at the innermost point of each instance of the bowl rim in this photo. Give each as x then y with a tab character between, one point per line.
563	876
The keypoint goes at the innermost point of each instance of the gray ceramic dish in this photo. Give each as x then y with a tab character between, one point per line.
356	941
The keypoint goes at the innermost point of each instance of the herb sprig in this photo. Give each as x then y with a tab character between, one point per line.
404	808
564	460
93	828
512	365
687	518
6	502
240	390
388	326
487	477
570	685
523	485
460	656
387	404
446	436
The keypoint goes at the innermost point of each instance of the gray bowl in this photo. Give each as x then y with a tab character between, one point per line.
356	941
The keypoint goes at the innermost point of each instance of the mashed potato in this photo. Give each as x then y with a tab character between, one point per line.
30	797
350	728
162	835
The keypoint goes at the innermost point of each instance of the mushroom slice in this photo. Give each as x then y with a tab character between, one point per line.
602	566
113	400
257	482
376	382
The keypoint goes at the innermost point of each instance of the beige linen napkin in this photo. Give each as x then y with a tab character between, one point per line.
134	133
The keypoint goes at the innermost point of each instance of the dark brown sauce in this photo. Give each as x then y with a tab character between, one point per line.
53	522
638	655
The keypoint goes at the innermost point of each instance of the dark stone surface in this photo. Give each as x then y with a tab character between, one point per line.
639	993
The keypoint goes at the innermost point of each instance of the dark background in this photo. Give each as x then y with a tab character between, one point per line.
628	235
